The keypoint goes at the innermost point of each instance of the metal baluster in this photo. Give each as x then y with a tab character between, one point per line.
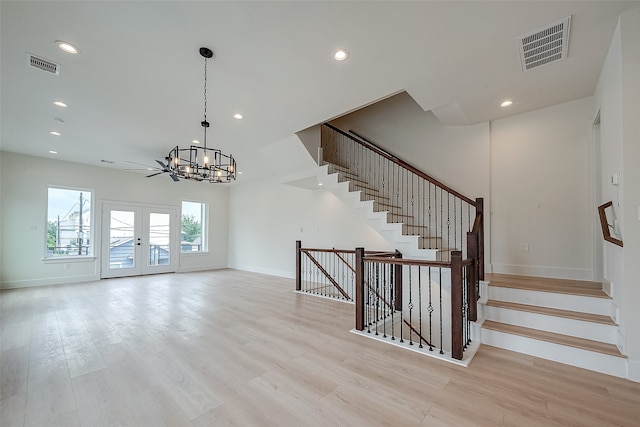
368	297
377	295
430	310
440	285
392	299
420	303
384	295
402	312
410	307
448	225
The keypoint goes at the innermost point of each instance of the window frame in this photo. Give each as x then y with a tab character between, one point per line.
91	235
204	227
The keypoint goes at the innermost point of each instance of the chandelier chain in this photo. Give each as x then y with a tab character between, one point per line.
205	89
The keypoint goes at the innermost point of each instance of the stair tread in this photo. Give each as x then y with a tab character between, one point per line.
567	314
567	340
544	284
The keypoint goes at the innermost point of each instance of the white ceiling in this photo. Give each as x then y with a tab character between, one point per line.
135	90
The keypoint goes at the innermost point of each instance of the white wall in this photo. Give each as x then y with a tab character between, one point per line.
267	217
23	196
618	100
630	38
542	192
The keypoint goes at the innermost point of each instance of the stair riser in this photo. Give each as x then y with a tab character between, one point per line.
593	361
553	300
559	325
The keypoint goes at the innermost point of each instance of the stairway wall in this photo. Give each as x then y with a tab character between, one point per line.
618	101
267	218
542	189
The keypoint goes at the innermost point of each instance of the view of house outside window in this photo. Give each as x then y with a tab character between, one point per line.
193	227
69	222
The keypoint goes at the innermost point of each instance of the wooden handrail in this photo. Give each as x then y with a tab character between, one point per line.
373	147
606	234
421	262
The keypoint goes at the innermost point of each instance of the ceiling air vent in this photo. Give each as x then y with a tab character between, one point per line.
545	45
43	64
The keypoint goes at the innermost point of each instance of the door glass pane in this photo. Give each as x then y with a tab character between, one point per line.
159	239
121	239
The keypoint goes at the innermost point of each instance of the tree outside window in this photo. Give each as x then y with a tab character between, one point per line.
193	227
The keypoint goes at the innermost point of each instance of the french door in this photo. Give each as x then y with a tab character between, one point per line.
137	240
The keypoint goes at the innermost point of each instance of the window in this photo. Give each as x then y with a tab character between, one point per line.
193	227
69	222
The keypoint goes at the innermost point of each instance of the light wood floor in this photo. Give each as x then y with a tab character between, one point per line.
235	348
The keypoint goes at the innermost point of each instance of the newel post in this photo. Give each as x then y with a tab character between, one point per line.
298	265
398	283
359	289
472	279
457	340
480	210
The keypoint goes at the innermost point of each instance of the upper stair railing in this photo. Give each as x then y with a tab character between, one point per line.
439	215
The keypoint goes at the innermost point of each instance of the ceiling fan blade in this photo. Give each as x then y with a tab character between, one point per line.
144	166
154	174
174	177
164	167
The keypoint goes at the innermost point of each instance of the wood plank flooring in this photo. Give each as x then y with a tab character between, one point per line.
230	348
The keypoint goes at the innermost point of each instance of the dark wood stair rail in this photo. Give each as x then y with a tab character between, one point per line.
337	252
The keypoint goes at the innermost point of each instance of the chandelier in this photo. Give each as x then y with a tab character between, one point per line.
200	163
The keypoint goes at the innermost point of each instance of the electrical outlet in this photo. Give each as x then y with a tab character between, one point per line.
525	247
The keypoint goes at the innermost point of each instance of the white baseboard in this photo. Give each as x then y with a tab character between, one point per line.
543	271
17	284
634	370
203	267
267	271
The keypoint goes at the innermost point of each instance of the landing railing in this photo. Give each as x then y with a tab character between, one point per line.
429	304
439	215
329	272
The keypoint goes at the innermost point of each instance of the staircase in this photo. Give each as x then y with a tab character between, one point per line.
434	218
381	214
562	320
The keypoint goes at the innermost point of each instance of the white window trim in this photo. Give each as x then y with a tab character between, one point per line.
204	230
92	248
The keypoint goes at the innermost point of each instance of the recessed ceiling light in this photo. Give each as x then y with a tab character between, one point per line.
341	55
238	116
53	152
60	104
195	141
506	103
239	173
320	184
66	46
53	132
